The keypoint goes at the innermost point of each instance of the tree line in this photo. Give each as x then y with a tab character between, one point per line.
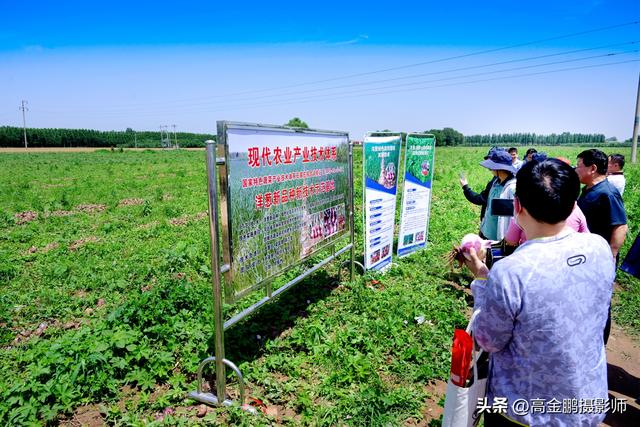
451	137
52	137
564	138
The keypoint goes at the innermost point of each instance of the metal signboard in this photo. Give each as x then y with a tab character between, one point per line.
287	196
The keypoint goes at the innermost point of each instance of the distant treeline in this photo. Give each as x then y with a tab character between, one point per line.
527	139
13	137
451	137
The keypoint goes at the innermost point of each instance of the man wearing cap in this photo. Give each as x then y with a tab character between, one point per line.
478	198
500	198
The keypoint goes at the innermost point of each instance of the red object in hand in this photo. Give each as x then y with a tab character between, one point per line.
461	357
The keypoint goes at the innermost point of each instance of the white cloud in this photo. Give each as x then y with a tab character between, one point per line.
359	38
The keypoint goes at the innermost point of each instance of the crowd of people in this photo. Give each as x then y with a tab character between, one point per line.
543	313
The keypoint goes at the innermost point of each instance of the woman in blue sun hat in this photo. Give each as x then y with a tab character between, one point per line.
479	199
500	199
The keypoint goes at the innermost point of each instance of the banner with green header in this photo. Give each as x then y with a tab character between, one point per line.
381	167
416	197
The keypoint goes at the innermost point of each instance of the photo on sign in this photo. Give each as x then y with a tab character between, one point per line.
321	225
375	256
382	166
419	167
385	251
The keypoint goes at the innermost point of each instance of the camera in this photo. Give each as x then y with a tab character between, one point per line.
497	251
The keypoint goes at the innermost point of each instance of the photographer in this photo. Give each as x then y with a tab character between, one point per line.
542	309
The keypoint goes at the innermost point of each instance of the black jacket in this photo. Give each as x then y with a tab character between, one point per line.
479	198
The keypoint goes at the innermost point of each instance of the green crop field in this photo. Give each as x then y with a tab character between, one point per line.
106	307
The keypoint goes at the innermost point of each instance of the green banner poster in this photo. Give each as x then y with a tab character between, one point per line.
416	196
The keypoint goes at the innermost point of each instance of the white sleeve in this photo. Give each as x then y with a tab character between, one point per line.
509	192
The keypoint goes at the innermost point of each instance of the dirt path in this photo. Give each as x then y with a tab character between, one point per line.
623	355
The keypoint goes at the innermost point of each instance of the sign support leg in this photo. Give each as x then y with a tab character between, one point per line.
215	271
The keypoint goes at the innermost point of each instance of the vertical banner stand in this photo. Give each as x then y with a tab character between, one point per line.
419	161
379	196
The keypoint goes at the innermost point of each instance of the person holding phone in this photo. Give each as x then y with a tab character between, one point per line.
479	199
501	194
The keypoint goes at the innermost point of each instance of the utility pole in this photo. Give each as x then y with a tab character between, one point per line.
24	121
634	139
175	138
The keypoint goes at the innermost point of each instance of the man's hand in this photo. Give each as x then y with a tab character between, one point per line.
618	234
477	267
463	181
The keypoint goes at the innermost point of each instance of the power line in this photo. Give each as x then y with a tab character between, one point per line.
450	58
241	102
494	72
401	67
314	99
400	85
460	69
420	88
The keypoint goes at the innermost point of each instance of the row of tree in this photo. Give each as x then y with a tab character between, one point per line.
451	137
520	139
13	137
448	137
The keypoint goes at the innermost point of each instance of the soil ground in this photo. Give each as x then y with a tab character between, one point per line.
623	352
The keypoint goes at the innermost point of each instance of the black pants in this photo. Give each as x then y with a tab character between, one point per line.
607	328
498	420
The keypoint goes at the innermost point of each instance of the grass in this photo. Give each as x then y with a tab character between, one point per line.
110	306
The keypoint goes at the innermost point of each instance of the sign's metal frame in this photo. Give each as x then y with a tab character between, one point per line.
217	155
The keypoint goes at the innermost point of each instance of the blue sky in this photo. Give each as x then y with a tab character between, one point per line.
112	65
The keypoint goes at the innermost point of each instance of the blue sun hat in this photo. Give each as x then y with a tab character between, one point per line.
499	160
491	150
538	157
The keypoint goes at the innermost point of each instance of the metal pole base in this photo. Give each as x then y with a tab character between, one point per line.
210	398
347	262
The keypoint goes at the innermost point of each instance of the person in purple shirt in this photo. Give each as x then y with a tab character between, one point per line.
515	235
540	312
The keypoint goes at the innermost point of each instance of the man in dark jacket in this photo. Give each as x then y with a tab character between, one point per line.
602	205
479	199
